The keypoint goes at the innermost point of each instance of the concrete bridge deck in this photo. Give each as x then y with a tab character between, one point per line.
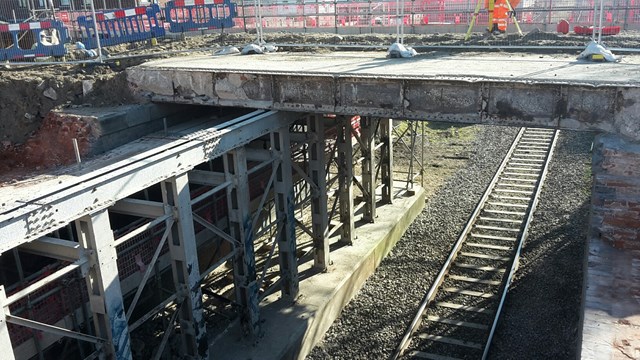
511	89
507	89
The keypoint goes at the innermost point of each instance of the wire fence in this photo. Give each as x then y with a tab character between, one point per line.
48	30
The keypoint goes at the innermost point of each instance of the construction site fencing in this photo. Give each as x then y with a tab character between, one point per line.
54	26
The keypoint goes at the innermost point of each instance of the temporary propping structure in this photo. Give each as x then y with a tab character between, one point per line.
499	11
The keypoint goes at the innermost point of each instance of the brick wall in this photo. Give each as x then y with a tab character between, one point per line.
615	217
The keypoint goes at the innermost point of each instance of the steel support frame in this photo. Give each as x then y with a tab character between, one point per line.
184	264
386	160
318	176
241	229
5	340
285	204
369	183
105	295
345	179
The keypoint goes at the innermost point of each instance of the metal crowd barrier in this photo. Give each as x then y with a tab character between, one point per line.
32	39
122	26
194	15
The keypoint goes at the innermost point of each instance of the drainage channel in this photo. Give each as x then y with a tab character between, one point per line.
458	316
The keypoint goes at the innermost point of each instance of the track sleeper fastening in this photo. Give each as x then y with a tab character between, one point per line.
479	267
451	341
528	186
463	307
504	212
497	228
456	290
488	246
512	191
519	174
532	167
500	220
518	198
492	237
485	256
519	168
475	280
529	155
507	204
430	356
457	322
520	180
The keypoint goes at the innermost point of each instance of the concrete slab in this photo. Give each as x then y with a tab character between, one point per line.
611	324
511	89
292	329
119	125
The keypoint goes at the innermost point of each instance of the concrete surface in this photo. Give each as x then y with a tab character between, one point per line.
291	330
512	89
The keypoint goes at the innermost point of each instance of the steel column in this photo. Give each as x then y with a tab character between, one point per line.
184	264
367	136
240	226
386	166
318	175
5	340
285	201
345	178
105	295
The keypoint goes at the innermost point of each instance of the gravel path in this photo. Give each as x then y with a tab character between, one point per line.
543	308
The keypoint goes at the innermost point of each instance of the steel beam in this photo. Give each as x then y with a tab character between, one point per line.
240	226
99	189
139	208
318	176
386	158
55	248
56	330
345	178
184	264
285	202
105	296
5	340
367	135
209	178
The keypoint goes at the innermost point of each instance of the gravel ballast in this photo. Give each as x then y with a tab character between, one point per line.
542	310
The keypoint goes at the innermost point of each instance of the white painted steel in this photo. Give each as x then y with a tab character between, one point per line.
101	189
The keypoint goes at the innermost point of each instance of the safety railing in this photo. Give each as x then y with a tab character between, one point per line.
32	40
193	15
121	26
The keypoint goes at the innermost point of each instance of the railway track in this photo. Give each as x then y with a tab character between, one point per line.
458	316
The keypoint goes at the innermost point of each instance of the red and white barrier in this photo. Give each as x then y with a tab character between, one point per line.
25	26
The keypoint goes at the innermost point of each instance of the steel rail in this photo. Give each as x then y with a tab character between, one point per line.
454	252
523	238
497	185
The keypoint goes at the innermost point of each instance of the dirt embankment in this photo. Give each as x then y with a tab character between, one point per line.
28	95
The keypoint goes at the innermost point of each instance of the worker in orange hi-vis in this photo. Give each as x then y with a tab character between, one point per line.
501	13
